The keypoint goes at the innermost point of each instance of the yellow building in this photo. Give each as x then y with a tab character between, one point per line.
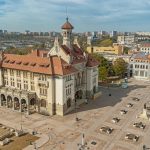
115	49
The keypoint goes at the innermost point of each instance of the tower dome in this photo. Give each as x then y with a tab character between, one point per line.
67	25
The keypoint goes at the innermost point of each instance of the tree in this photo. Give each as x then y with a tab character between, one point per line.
120	67
126	50
103	61
103	73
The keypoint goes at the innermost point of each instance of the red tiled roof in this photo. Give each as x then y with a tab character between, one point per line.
145	45
91	62
67	25
52	65
75	52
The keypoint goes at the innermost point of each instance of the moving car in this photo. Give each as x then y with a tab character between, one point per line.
139	125
132	137
107	130
115	120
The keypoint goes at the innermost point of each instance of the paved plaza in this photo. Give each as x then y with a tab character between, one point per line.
65	133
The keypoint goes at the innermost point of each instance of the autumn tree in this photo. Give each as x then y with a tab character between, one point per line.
103	73
120	67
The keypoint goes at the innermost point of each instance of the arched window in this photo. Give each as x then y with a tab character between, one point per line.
43	103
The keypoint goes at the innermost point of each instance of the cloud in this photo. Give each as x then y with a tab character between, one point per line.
50	14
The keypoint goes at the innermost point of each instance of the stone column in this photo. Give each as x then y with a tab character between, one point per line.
20	110
13	104
28	110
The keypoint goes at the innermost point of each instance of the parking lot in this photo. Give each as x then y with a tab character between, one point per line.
65	132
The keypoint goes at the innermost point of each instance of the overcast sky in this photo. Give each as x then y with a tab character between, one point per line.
85	15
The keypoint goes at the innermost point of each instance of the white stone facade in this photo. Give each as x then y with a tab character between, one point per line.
139	67
73	79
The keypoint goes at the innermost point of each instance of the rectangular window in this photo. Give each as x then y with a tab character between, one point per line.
141	73
136	73
43	89
68	90
32	76
42	77
26	85
25	74
5	72
32	86
6	81
19	84
18	73
11	72
68	78
12	82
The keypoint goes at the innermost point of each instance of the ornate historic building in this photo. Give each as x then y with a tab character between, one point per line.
48	82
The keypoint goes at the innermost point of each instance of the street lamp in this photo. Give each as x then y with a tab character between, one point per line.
77	119
83	144
109	91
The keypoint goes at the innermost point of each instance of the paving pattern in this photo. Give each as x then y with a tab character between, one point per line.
65	133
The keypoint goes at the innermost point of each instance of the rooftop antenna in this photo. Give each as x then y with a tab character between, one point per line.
66	13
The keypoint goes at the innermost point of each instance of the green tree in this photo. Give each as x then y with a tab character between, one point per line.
103	61
103	73
126	49
120	67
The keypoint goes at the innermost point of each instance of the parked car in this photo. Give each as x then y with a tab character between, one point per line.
115	120
123	111
129	105
107	130
132	137
139	125
135	99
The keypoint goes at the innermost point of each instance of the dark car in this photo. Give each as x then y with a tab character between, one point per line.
135	99
139	125
132	137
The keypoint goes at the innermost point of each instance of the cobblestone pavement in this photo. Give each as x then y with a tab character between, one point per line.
64	133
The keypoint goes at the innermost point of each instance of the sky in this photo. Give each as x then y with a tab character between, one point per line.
84	15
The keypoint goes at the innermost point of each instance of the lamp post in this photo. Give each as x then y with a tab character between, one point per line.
77	119
83	144
109	94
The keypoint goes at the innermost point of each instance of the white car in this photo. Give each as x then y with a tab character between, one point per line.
115	120
129	105
123	112
107	130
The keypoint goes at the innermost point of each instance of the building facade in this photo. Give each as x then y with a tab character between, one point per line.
145	48
48	82
115	49
126	39
139	66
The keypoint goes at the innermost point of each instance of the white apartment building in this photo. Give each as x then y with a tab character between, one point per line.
126	39
139	66
48	82
145	48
